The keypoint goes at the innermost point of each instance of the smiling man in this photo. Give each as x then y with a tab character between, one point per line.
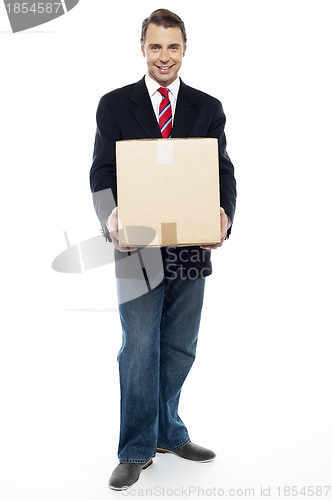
160	326
164	58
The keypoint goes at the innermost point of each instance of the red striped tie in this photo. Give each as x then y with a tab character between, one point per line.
165	114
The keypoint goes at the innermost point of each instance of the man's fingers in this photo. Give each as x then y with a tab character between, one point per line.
124	249
112	226
115	212
114	234
212	247
115	242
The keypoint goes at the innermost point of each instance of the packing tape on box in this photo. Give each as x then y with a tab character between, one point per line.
168	234
165	152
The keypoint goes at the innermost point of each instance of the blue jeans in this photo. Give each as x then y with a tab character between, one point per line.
160	330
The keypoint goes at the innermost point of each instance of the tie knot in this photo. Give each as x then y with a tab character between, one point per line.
163	91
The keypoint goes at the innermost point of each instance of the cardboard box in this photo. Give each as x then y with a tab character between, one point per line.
168	192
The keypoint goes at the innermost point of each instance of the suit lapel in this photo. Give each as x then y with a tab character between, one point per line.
185	115
143	110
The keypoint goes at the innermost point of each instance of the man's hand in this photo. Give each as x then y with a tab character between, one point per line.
112	226
224	227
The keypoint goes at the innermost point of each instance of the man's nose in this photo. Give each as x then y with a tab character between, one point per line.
164	56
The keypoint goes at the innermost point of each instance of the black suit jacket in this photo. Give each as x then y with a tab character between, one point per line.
127	113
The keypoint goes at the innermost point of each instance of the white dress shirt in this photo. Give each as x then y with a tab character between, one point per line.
156	96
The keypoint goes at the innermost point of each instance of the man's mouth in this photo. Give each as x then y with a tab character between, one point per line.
165	69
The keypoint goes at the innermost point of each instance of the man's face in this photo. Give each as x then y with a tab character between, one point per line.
163	48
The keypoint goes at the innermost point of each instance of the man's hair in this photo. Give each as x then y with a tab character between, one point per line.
165	18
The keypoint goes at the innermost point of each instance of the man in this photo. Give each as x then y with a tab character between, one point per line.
160	325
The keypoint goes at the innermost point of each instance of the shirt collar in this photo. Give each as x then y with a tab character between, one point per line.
153	86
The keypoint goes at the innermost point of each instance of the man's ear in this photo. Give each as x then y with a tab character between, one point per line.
184	50
142	50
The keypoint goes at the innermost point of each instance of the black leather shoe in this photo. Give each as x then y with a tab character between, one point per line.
126	474
191	451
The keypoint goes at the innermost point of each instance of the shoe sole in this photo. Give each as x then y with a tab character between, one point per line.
145	466
162	450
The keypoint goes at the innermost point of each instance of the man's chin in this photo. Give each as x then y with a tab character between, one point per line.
164	80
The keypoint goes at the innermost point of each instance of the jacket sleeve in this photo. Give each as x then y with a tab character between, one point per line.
103	169
227	182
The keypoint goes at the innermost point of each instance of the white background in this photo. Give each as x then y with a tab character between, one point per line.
259	393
